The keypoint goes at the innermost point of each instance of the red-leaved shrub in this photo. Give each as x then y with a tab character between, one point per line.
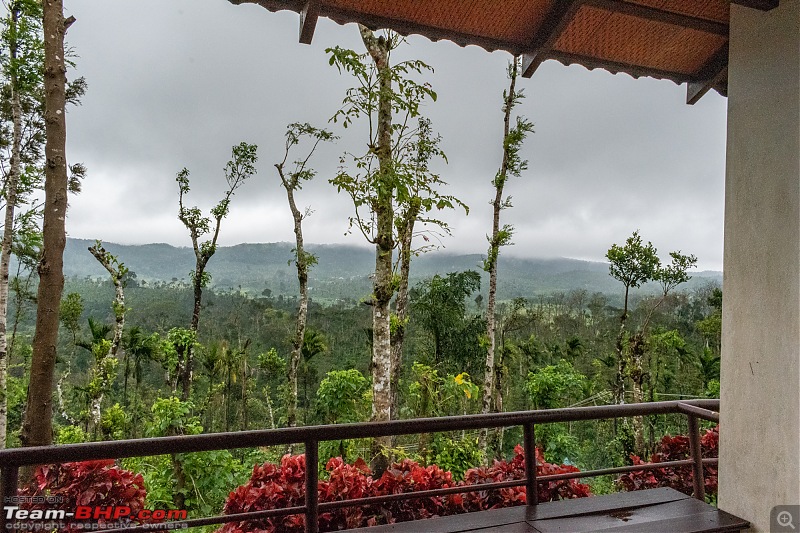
277	487
515	469
345	482
93	483
675	448
270	487
408	476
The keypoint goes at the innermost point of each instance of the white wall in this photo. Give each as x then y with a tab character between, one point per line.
760	419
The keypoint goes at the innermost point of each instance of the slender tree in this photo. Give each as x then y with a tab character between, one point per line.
38	421
668	277
26	249
416	201
384	90
105	369
383	208
12	178
512	165
633	264
292	182
21	155
237	171
514	317
118	272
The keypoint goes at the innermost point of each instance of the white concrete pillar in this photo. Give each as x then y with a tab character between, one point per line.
760	419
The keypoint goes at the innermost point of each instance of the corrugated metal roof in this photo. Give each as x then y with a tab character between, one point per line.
680	40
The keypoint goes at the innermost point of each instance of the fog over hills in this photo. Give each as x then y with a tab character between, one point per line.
343	270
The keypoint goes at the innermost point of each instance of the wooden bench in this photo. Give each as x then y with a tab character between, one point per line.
662	510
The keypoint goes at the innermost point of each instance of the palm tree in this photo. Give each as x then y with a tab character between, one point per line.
98	331
708	363
231	363
211	363
139	347
314	343
574	348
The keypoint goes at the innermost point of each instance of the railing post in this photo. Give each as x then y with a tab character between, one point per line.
697	456
8	488
531	492
312	497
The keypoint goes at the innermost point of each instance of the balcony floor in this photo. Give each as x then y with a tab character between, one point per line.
657	510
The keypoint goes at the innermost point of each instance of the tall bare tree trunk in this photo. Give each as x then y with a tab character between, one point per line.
37	427
291	182
499	384
637	374
12	181
378	48
245	371
622	364
302	311
398	333
239	168
186	375
117	272
491	261
186	356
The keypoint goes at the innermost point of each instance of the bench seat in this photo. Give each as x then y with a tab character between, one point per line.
662	510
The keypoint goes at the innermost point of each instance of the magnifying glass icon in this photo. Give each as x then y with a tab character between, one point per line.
784	519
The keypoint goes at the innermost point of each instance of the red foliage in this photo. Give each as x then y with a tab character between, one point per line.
344	483
270	487
408	476
515	469
94	483
275	487
682	478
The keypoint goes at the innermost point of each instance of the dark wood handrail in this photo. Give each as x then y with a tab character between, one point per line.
311	436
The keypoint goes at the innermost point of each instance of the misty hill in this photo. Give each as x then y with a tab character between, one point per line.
342	272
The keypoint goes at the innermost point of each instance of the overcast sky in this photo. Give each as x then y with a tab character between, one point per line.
176	83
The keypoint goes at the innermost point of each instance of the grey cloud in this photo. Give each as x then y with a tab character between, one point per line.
174	84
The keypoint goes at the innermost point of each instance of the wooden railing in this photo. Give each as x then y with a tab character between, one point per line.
12	459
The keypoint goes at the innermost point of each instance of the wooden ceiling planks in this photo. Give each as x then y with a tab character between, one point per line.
679	40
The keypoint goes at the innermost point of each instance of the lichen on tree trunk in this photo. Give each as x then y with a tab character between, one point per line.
117	271
291	182
497	239
301	261
187	369
398	327
383	208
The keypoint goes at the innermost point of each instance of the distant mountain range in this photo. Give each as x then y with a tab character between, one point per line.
342	271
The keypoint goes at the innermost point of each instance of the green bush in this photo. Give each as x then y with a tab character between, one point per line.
455	454
71	435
